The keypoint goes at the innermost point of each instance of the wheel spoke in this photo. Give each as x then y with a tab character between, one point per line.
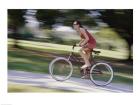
60	69
101	74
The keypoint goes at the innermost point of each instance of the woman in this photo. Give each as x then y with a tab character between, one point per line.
87	43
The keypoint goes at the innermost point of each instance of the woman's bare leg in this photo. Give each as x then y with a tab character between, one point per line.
88	57
85	56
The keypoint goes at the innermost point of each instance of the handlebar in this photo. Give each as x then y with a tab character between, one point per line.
73	46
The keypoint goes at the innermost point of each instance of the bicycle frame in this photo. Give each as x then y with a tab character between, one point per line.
73	58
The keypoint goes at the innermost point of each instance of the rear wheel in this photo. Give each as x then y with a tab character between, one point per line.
101	74
60	69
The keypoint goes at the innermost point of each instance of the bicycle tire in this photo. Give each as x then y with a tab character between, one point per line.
58	77
93	73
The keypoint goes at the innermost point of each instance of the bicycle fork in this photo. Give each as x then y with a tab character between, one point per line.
70	56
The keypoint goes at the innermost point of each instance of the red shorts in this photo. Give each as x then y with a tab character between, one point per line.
89	47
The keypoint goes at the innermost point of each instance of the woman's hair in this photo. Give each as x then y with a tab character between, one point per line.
77	23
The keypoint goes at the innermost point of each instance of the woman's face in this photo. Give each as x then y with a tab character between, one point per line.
76	26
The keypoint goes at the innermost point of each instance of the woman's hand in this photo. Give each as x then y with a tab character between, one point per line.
78	44
83	45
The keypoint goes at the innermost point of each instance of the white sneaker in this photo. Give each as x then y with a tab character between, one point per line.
85	77
85	66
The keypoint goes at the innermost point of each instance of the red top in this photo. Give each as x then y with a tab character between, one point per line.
91	42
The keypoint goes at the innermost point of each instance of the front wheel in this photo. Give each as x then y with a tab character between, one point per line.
101	74
60	69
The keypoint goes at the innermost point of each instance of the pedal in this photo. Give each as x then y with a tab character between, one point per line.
85	71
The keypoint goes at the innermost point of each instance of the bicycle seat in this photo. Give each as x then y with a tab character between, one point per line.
96	52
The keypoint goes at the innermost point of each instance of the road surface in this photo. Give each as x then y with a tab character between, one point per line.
73	84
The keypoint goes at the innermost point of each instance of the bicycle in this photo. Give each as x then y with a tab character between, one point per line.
100	73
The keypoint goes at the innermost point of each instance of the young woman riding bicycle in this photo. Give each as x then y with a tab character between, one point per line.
87	43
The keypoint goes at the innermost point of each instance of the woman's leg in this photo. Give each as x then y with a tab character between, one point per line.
82	54
85	53
88	53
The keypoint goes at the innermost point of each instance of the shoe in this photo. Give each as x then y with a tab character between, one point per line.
85	66
85	77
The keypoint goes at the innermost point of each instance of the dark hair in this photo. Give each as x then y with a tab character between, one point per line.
77	23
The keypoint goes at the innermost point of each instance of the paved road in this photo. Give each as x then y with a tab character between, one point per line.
73	84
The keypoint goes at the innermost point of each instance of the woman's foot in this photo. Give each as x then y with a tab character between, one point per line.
85	66
85	77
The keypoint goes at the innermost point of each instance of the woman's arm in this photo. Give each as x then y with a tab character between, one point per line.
86	37
80	42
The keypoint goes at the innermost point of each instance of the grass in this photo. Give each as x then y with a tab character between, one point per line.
66	48
27	61
26	88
